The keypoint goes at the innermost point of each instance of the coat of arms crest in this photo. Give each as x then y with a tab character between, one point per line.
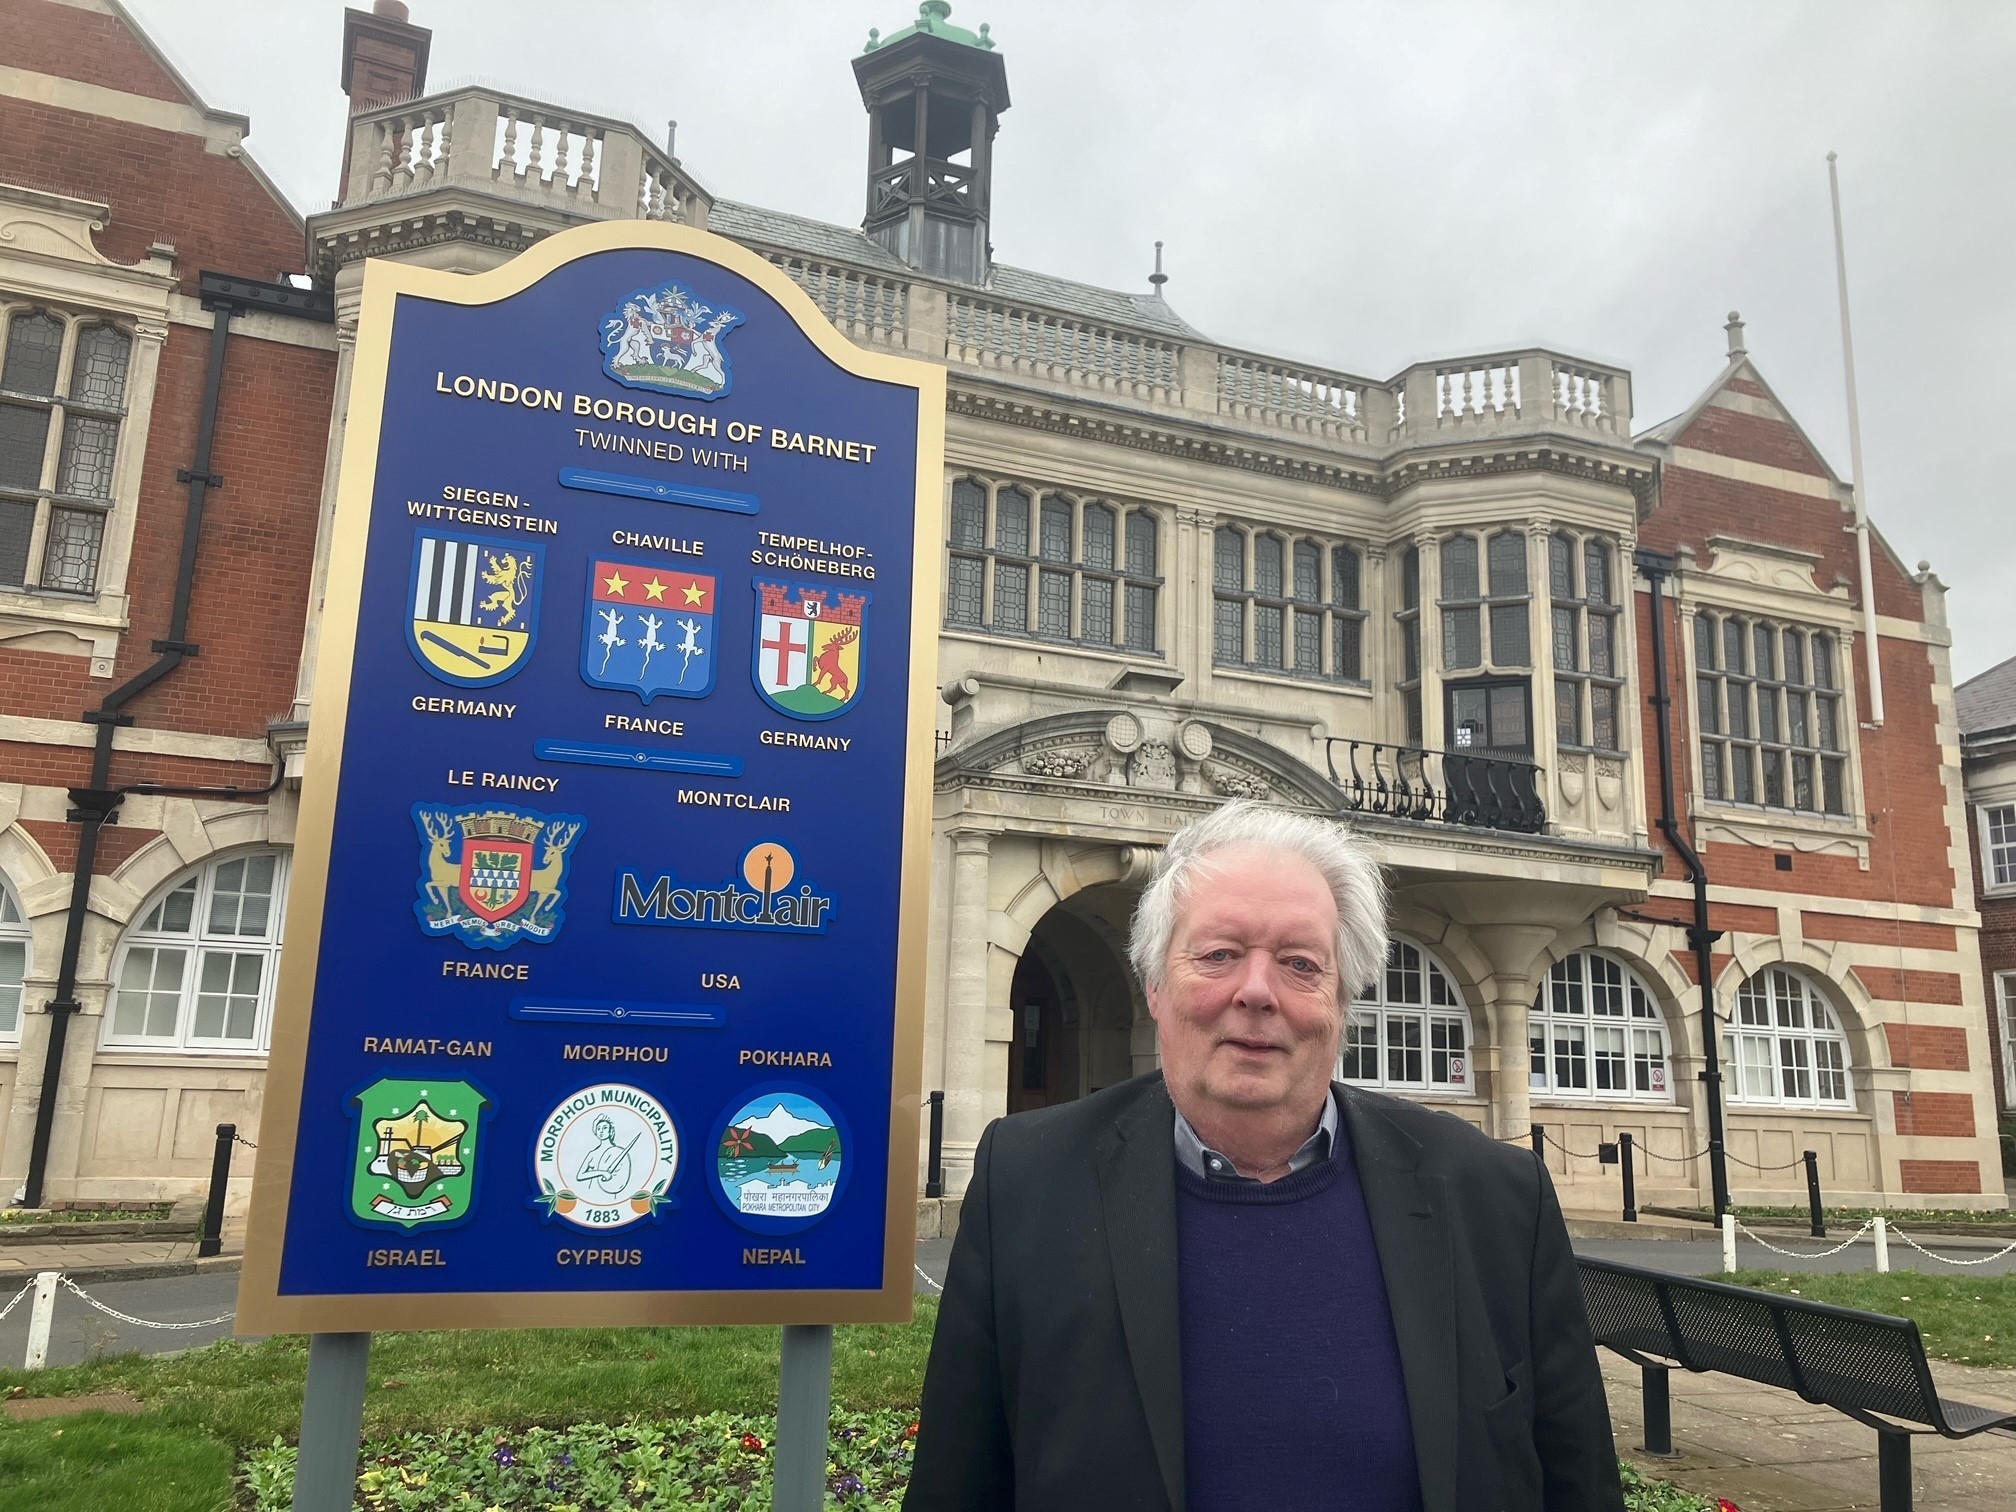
474	607
649	630
807	657
667	338
415	1159
492	874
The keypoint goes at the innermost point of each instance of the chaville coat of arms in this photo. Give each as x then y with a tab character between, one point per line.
669	339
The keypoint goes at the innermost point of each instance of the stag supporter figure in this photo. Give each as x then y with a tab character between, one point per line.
1236	1284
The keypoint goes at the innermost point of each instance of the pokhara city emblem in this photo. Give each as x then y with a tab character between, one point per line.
606	1157
493	875
416	1152
669	339
474	607
807	656
649	630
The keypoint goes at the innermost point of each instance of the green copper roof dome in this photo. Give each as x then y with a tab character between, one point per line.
931	22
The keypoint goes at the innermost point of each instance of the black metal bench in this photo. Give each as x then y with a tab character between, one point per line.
1868	1365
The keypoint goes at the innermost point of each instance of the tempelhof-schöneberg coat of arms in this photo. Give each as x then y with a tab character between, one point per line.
808	652
415	1158
669	339
493	874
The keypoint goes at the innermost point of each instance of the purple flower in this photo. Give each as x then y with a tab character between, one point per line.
566	1459
848	1435
504	1456
849	1485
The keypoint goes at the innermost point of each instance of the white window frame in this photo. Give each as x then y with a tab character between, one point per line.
1568	1001
199	944
1775	1052
78	282
14	940
1998	858
45	497
2005	992
1436	1013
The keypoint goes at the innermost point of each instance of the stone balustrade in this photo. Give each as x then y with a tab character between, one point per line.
1508	393
988	333
867	307
1255	391
569	163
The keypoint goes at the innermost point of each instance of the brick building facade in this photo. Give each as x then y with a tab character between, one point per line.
1988	755
1176	571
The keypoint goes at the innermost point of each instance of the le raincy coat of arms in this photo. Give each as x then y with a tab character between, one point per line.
474	607
492	874
415	1157
669	339
808	648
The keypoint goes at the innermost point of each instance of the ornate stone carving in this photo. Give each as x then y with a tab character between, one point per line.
1153	766
1609	784
1573	777
1057	763
1123	733
1228	783
1194	737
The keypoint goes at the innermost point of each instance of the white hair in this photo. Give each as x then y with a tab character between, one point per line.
1338	855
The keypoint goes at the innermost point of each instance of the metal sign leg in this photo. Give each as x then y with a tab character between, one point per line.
332	1422
804	1411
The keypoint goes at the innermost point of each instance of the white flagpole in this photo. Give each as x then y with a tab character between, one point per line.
1855	458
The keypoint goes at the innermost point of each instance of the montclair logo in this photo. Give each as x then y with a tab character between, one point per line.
763	898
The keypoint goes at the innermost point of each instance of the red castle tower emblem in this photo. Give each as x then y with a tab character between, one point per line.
807	659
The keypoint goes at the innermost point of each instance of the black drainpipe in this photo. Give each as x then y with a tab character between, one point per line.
1657	567
97	805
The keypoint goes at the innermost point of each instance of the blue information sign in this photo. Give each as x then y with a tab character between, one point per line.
602	994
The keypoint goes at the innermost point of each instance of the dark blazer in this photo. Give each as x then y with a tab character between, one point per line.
1056	1381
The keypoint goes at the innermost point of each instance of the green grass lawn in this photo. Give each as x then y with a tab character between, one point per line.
1971	1319
1843	1221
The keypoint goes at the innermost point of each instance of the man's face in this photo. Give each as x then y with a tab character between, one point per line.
1247	1012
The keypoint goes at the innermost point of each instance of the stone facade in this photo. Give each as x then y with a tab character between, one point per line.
1987	707
1176	572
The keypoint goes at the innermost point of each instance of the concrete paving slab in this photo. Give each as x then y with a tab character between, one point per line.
1770	1452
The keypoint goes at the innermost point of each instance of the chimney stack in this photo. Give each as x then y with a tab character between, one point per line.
384	62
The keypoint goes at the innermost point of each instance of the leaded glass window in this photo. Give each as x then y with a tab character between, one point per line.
66	379
1583	649
1299	624
1772	726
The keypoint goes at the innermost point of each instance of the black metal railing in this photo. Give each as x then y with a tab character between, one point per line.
1445	787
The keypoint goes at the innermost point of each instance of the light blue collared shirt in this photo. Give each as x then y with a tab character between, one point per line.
1195	1155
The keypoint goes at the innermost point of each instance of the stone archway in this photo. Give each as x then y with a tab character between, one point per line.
1073	1001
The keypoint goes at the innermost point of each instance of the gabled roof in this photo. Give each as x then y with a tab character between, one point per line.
243	154
1668	432
1987	703
846	244
1740	365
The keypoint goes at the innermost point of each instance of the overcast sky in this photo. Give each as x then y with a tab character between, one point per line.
1366	185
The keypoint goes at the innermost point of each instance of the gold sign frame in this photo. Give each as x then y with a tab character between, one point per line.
262	1308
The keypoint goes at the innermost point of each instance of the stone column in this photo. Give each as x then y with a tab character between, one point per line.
966	1008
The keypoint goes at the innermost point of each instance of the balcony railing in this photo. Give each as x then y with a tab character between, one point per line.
541	155
1440	787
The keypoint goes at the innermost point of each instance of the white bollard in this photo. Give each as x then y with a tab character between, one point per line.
1728	1243
38	1320
1882	1244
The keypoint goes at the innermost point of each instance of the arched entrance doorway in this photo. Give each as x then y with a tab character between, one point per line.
1075	1002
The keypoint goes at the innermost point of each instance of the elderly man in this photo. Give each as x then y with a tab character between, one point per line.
1238	1285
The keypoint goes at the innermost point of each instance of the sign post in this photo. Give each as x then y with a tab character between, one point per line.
601	1003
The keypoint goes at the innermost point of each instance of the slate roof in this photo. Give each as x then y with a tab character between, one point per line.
1988	702
846	244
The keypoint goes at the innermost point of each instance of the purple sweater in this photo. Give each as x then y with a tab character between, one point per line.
1293	1399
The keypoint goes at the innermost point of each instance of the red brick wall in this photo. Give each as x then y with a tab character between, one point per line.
1940	1115
1927	1047
1940	1176
1998	953
74	44
1901	786
1888	984
258	533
